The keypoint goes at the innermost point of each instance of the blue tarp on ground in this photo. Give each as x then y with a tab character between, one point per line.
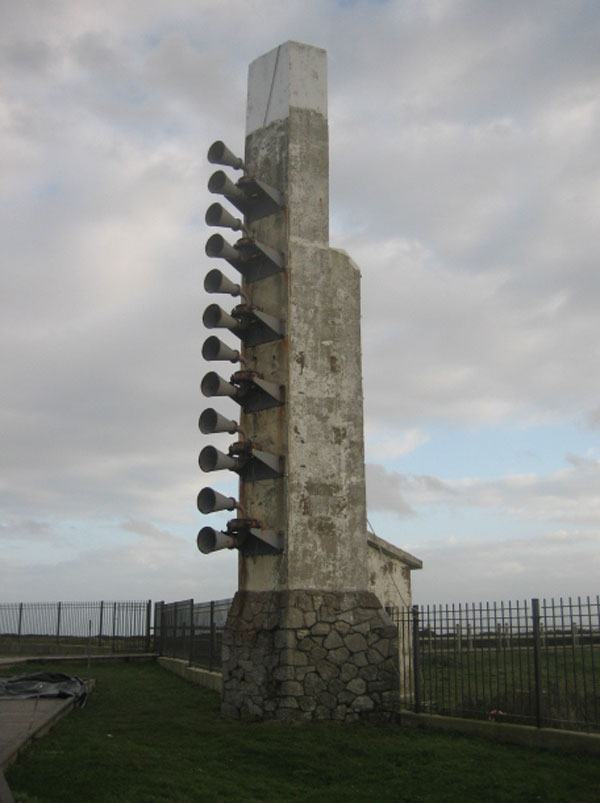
43	684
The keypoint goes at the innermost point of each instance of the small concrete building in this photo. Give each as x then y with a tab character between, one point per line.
390	580
389	574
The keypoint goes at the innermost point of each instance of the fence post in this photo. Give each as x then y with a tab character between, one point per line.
148	624
162	627
175	649
101	623
20	625
157	626
191	655
535	613
114	625
58	608
211	641
416	669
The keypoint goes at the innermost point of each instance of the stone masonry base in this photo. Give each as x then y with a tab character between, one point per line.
303	655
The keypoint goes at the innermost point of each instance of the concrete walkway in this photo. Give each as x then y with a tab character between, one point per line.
21	721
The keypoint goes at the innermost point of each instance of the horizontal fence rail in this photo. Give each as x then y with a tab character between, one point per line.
38	628
191	631
533	662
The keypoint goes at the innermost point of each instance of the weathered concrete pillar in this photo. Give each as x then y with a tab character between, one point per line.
304	637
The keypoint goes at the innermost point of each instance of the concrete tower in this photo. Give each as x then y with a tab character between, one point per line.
305	638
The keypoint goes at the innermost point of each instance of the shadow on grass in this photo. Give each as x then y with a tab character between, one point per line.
146	735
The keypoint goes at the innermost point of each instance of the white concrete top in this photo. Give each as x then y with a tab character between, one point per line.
291	75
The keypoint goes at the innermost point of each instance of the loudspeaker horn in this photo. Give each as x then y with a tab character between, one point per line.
211	459
209	501
217	215
217	282
219	154
211	540
211	421
216	318
214	385
220	184
217	246
214	349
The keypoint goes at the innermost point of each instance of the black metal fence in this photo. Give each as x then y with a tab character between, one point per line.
51	628
532	663
191	630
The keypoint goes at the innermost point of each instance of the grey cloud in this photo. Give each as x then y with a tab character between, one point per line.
401	494
464	184
511	569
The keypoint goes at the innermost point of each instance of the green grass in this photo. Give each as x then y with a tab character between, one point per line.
146	735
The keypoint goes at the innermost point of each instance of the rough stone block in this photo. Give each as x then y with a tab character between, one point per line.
362	627
302	671
343	628
284	673
368	672
357	686
317	653
307	703
327	614
292	688
306	645
327	699
374	657
359	659
333	640
382	646
327	670
284	639
313	684
294	658
339	656
355	642
320	628
350	671
363	704
310	618
293	618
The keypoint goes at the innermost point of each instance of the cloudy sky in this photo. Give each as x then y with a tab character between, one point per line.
465	182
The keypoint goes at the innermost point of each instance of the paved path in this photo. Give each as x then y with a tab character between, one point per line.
23	720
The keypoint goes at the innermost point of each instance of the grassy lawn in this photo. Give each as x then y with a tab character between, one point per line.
146	735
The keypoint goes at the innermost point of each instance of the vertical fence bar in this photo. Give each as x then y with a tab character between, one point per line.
114	625
148	624
594	716
58	612
535	617
583	662
192	633
100	623
20	625
163	627
416	667
211	640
